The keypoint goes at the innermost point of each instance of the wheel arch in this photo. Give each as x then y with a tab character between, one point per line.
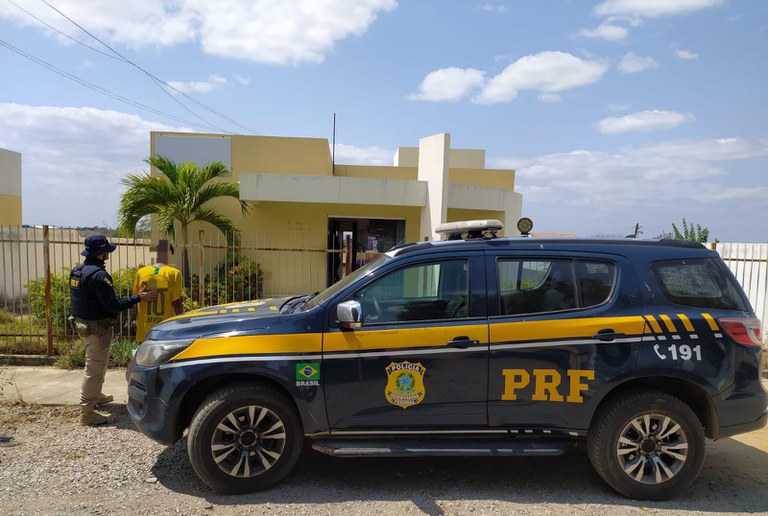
200	390
688	392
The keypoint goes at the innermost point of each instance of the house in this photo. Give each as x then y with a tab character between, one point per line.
326	219
10	188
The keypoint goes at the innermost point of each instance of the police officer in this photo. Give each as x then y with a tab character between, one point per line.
95	305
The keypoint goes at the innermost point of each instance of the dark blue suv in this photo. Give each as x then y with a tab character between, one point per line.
473	346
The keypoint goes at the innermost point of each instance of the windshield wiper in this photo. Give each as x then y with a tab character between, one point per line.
304	301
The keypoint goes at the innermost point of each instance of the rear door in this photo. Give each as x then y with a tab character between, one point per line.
421	358
563	328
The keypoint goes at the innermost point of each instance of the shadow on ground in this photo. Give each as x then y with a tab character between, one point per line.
734	479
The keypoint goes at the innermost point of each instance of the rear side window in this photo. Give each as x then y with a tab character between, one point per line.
551	285
701	283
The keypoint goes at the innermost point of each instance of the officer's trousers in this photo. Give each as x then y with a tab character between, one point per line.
96	340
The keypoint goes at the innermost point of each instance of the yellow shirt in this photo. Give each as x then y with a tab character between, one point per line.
167	281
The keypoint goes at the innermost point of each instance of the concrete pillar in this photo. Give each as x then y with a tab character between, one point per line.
433	169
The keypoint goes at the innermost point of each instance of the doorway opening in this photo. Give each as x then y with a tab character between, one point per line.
354	242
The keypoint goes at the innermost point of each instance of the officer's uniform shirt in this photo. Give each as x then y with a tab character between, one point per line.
92	294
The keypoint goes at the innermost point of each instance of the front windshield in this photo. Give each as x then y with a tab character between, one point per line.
343	282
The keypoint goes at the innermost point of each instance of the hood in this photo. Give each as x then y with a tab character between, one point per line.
229	318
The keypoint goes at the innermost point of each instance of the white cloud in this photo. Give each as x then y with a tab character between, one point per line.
652	8
619	107
213	82
268	31
606	30
245	81
448	84
643	121
686	54
633	63
550	97
494	8
73	159
590	192
546	72
351	155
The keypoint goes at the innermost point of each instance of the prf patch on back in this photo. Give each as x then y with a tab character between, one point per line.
547	384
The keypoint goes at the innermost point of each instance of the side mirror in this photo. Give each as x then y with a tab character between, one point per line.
349	315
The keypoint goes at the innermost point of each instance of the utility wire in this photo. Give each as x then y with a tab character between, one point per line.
96	87
159	82
65	34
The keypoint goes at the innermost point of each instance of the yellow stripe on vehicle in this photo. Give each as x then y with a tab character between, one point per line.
654	324
433	336
564	328
668	323
686	322
711	321
253	345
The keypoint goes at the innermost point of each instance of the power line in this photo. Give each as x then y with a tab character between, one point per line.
65	34
96	87
159	82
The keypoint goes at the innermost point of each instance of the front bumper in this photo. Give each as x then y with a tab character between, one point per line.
148	410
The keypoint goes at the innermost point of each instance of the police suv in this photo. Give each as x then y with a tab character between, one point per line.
469	346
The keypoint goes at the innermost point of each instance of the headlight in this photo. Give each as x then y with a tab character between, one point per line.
156	352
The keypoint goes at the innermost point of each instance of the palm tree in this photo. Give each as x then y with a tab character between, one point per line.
179	195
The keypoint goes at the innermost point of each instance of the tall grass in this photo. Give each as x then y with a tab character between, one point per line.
73	354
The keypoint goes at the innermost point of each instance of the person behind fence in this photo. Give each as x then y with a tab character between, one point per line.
95	306
167	281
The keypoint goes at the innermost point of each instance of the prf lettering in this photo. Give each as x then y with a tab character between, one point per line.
546	384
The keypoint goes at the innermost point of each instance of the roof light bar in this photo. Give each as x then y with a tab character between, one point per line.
472	228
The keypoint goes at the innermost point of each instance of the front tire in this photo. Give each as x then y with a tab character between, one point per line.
647	445
244	438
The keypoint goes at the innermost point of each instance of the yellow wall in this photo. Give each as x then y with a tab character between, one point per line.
377	172
10	210
291	239
491	178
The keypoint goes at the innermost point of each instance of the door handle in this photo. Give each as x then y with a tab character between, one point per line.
463	342
607	334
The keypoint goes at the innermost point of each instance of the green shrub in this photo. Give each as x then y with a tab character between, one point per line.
73	354
61	309
239	281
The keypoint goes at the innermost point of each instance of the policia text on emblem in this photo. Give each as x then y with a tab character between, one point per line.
405	384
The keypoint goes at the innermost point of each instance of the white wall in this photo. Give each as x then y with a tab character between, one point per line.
749	263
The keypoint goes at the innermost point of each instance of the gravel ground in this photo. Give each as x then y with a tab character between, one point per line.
50	464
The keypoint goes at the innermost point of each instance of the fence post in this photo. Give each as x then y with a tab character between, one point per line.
47	266
200	276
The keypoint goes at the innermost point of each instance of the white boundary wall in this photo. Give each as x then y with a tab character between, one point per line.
749	263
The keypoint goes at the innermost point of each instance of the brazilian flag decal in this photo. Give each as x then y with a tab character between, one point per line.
307	372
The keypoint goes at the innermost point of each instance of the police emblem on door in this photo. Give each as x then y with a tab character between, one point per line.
405	384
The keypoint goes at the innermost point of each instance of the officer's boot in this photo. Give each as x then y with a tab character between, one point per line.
104	399
89	417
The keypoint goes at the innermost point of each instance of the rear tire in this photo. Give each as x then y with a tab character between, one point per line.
244	438
647	445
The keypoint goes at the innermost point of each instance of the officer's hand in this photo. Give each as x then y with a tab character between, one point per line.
147	295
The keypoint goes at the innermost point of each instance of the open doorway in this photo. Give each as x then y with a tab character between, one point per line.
354	242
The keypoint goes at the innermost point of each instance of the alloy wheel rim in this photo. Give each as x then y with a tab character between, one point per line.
652	448
248	441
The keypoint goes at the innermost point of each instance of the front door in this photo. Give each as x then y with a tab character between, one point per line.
421	358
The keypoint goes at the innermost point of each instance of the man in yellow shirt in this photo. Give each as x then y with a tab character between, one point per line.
167	281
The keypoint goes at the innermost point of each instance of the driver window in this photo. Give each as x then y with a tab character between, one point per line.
437	290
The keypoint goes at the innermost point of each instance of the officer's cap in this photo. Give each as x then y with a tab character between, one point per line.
96	245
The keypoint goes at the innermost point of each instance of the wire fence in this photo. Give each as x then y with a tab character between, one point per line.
35	264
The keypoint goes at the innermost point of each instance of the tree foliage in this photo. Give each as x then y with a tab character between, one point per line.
690	232
180	194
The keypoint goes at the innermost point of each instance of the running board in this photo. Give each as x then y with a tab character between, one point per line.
441	447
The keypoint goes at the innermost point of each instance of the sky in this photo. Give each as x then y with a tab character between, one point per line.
613	113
